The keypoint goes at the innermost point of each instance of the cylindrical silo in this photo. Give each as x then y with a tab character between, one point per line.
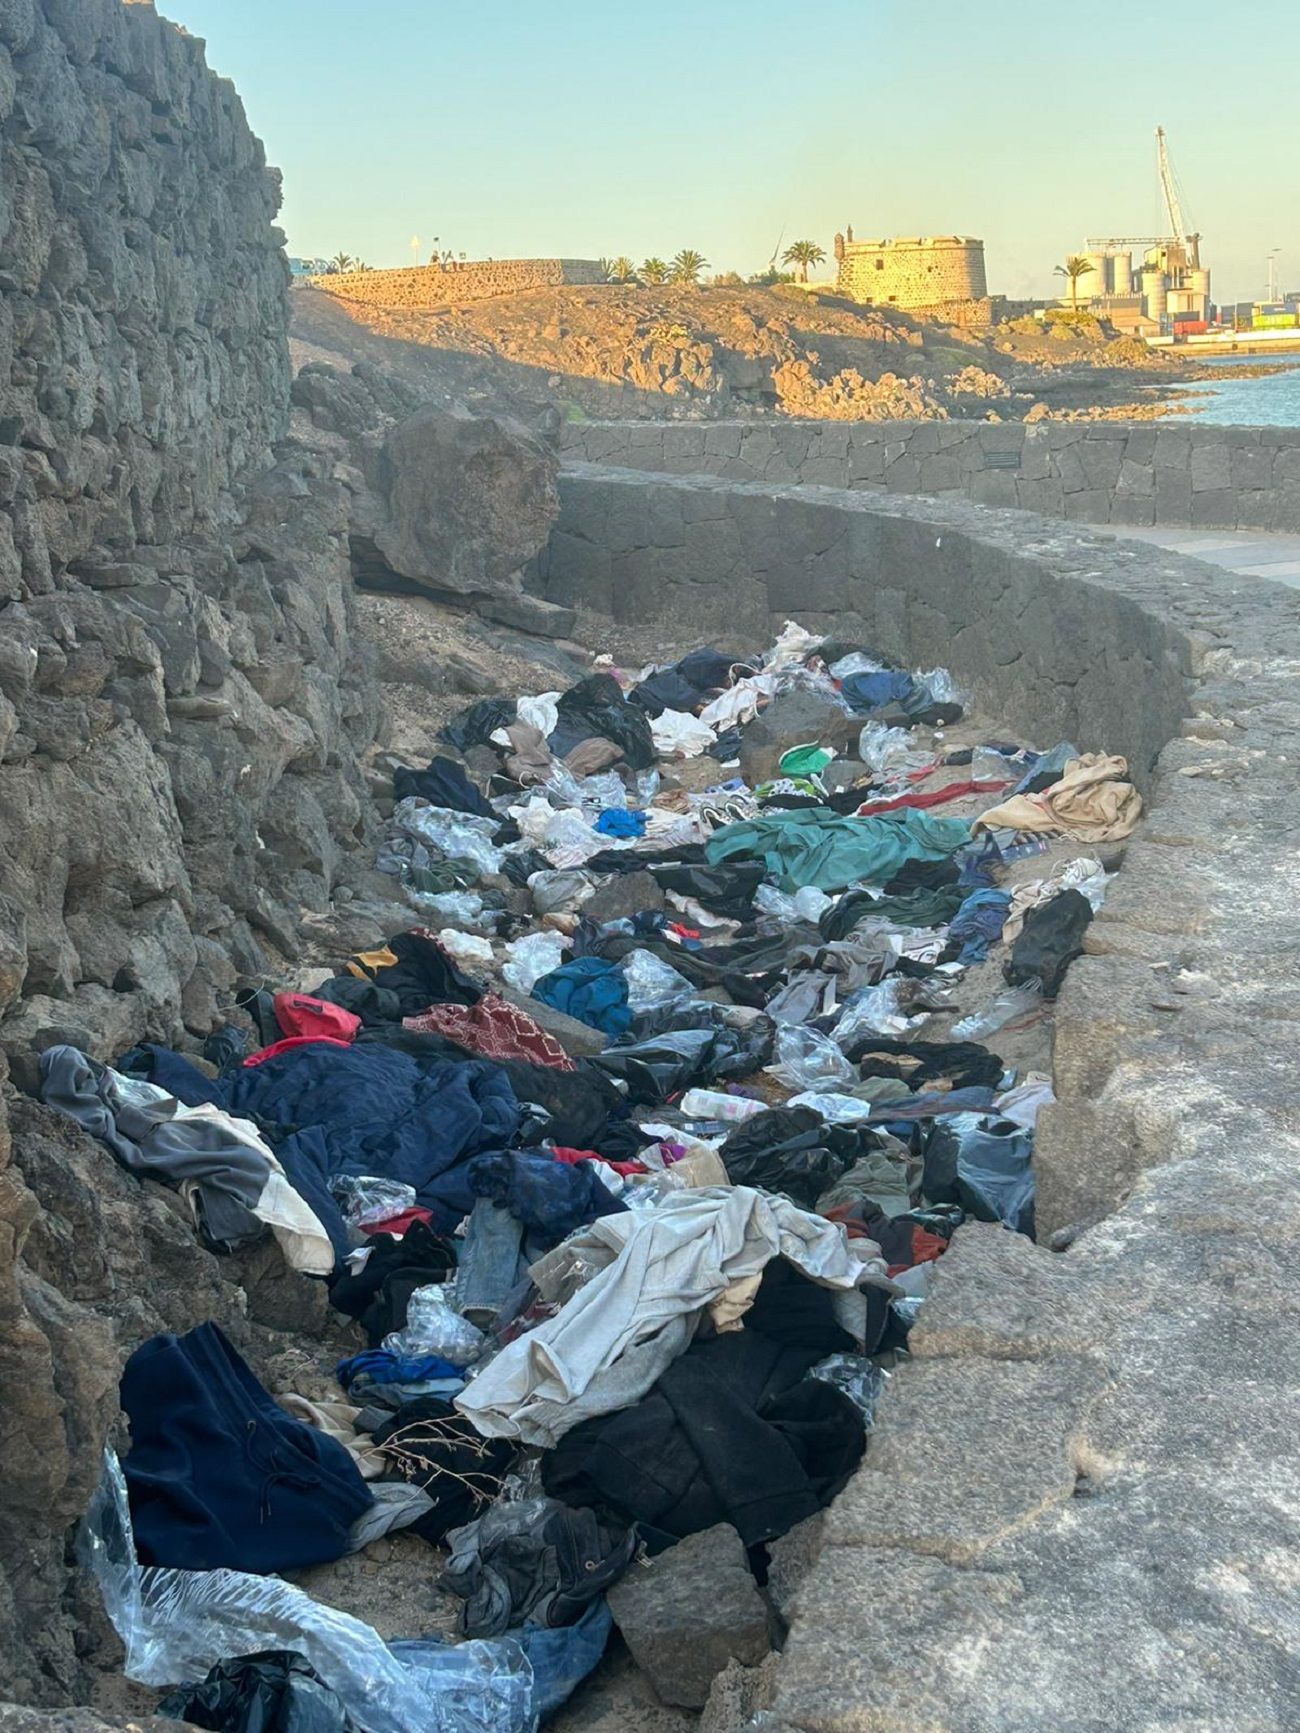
1121	268
1155	292
1095	282
1198	281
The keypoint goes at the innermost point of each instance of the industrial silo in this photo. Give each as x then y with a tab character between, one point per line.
1121	269
1155	292
1096	280
1198	281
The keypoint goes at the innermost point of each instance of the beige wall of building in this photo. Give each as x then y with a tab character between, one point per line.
911	272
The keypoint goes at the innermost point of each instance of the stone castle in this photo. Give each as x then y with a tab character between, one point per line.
913	272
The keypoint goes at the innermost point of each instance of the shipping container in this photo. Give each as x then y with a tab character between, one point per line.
1189	327
1273	322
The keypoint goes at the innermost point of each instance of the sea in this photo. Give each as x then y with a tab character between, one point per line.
1270	402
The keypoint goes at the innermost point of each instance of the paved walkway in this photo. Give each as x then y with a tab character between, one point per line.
1251	552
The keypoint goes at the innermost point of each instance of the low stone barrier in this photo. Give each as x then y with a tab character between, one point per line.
1089	472
420	288
1078	1510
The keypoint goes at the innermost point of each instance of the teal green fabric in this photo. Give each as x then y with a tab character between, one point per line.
815	846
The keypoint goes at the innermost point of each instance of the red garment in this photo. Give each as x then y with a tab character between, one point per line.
571	1158
926	1247
398	1224
299	1014
494	1029
288	1045
931	796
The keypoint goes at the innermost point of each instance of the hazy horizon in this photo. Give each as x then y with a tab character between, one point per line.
719	125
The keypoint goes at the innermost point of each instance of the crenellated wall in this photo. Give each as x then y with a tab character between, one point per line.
1089	472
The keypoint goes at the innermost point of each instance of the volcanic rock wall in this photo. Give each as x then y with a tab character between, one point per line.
181	709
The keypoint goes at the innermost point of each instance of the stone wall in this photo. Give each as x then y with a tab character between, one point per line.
1089	472
183	704
424	287
1076	1509
912	273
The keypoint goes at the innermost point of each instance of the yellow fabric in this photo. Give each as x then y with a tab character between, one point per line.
366	963
1091	803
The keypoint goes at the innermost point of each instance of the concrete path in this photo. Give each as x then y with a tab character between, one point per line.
1252	552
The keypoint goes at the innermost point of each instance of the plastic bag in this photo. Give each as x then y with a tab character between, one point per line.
461	907
678	734
259	1692
176	1625
834	1108
570	830
433	1326
807	1060
861	1380
807	904
985	1164
531	957
856	662
651	982
465	947
371	1198
557	893
713	1104
1013	1003
455	835
939	687
793	646
875	1011
561	1656
540	712
888	752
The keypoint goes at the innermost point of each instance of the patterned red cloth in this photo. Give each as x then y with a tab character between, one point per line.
931	797
494	1029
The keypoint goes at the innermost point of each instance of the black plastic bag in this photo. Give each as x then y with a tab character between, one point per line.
784	1150
443	783
1049	941
478	722
273	1692
662	1067
596	706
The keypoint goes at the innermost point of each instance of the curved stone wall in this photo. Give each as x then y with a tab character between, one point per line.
1078	1510
1094	472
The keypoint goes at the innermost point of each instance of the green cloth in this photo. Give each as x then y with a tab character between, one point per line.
815	846
805	761
919	908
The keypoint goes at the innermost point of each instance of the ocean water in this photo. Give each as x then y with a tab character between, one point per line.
1237	402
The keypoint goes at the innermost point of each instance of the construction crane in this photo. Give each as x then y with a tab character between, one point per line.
1177	234
1166	172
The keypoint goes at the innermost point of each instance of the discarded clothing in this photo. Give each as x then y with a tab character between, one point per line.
551	1198
235	1181
818	848
788	1150
1050	940
596	706
1085	874
873	691
377	1295
920	800
431	1446
380	1366
494	1029
478	722
590	757
219	1477
1092	802
590	989
337	1420
922	907
415	967
657	1274
986	1166
533	1562
732	1432
664	1065
978	924
961	1064
618	821
443	783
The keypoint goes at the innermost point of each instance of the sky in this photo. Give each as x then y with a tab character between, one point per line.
589	128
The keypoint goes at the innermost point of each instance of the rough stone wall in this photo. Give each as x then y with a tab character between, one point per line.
1102	472
419	288
1077	1509
182	706
906	273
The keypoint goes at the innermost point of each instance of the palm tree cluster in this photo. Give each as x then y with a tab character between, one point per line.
684	269
342	263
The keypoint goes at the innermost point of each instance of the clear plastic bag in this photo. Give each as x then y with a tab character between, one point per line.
875	1011
531	957
454	835
861	1380
371	1198
835	1109
465	947
1014	1002
713	1104
652	982
807	904
540	712
558	893
856	662
604	789
177	1625
433	1326
807	1060
889	751
938	682
463	908
571	829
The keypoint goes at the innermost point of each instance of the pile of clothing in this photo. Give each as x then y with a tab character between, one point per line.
629	1163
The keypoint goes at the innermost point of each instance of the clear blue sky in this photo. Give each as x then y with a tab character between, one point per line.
588	127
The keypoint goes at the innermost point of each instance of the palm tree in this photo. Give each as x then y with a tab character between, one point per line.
340	263
621	269
686	267
1075	267
653	271
803	254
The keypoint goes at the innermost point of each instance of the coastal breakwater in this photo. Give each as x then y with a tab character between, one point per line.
1088	472
1091	1451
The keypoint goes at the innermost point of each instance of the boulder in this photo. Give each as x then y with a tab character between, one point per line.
689	1612
468	501
624	894
798	718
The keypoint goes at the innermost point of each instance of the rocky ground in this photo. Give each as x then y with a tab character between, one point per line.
618	350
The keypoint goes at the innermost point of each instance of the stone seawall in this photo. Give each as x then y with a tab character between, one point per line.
1089	472
1078	1507
422	288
